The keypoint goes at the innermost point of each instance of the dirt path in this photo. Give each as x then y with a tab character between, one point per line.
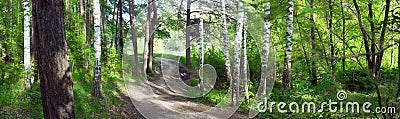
155	100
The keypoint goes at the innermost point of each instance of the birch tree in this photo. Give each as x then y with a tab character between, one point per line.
53	63
226	42
236	65
265	50
288	48
97	49
201	29
244	63
27	44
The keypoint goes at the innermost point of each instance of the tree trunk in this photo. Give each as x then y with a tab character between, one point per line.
226	42
134	39
288	48
382	38
152	33
236	65
265	51
343	35
120	43
97	49
147	38
104	30
27	44
244	77
331	43
187	30
55	76
201	30
313	48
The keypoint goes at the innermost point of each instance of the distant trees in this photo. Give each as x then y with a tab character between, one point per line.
27	44
53	65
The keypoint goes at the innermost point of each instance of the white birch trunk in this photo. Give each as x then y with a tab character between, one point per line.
245	65
265	50
288	48
97	48
27	44
226	42
201	30
236	65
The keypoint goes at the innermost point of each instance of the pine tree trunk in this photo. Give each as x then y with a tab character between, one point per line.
97	49
288	48
27	44
55	76
134	39
226	42
187	30
236	65
201	30
147	38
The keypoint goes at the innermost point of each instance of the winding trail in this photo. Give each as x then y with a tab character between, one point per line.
162	102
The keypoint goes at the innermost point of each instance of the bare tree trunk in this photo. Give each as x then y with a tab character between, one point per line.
27	44
288	48
120	43
265	51
226	42
147	38
187	30
343	35
104	29
244	63
201	27
313	48
50	41
152	33
331	43
236	65
382	38
134	38
97	49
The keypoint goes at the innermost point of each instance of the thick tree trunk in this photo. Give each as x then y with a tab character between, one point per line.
201	30
314	80
147	38
97	91
236	65
187	30
55	77
152	34
226	42
134	39
288	48
27	44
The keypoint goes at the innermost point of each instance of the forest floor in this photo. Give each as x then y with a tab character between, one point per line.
167	102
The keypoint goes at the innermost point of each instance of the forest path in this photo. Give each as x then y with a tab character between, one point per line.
165	103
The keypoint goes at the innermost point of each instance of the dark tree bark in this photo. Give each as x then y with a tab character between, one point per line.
188	33
313	48
120	39
50	42
331	43
104	29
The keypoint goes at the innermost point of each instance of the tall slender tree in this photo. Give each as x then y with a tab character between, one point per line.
265	50
226	42
152	34
27	44
134	39
201	30
244	63
313	47
187	30
288	48
97	49
236	55
50	42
